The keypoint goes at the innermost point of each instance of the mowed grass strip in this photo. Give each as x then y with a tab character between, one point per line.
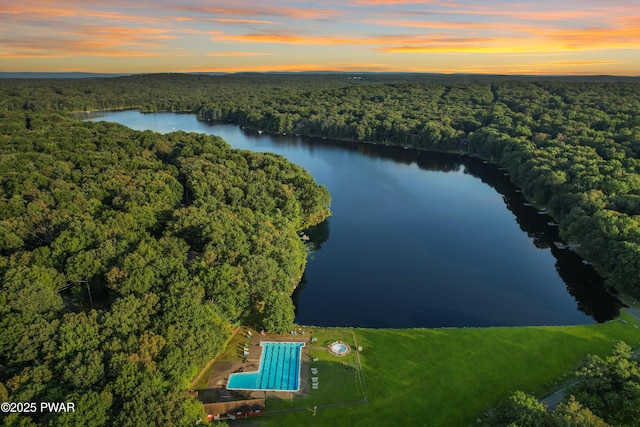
234	349
449	377
231	353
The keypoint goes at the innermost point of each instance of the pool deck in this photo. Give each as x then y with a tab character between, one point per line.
217	384
278	368
255	349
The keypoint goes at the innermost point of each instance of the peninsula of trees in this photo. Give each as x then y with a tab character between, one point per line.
127	258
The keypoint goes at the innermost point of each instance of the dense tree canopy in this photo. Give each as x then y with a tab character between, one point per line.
524	410
127	257
610	386
606	393
572	144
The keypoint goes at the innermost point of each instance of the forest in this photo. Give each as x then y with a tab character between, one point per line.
128	257
572	144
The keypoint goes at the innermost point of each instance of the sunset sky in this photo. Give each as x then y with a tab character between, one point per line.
463	36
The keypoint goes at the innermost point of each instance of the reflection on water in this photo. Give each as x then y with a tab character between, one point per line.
420	239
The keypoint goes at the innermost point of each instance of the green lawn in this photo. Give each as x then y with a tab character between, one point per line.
338	376
234	349
449	377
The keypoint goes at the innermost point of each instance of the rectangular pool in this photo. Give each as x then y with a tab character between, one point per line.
279	369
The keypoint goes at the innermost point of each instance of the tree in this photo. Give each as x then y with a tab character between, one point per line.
520	409
92	409
571	413
610	387
278	313
30	289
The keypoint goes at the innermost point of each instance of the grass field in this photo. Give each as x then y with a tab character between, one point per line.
338	376
450	377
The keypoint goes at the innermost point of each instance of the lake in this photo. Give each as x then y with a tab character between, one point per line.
419	239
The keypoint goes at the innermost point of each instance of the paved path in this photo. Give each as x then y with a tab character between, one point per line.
635	312
556	397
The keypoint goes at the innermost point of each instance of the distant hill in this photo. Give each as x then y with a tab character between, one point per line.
30	75
362	74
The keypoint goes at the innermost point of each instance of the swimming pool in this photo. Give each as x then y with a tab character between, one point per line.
339	348
279	369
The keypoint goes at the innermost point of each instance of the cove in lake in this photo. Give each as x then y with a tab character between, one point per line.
419	239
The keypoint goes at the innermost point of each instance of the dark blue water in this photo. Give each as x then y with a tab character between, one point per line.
419	239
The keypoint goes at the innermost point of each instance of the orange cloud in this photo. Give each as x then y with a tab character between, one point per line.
25	12
533	14
523	38
389	44
512	25
441	25
260	10
30	19
121	34
212	10
238	54
597	38
92	41
550	67
75	49
583	62
304	13
287	38
540	11
506	15
338	39
471	46
402	2
242	21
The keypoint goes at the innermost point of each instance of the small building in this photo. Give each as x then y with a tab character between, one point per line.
234	410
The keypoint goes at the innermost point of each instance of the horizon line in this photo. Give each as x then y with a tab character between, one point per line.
319	71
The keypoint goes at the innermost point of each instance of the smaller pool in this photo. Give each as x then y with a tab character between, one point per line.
339	348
